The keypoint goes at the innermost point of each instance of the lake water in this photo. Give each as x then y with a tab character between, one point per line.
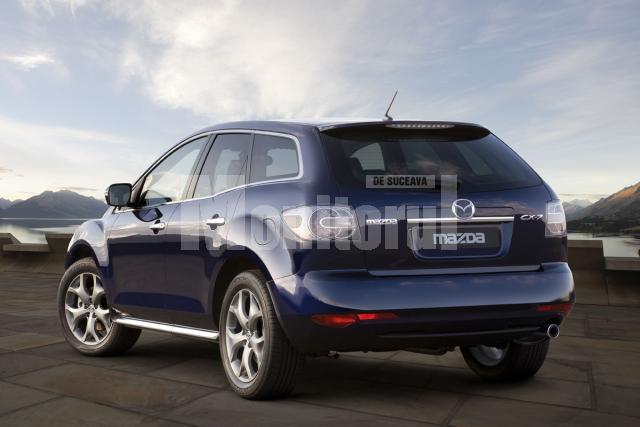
32	231
614	246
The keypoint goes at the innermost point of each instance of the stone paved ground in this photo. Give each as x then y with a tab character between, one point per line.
592	377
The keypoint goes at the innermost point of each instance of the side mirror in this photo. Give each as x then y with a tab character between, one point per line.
118	195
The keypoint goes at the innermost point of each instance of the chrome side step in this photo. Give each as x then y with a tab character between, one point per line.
203	334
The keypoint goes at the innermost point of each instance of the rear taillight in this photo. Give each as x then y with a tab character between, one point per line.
321	222
555	221
343	320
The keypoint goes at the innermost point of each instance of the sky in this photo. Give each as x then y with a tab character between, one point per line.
92	92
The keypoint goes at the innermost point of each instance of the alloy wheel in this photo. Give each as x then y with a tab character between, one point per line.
244	335
87	310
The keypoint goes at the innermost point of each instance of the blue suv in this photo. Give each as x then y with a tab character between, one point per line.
286	239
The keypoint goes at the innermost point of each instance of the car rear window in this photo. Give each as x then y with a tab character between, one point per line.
480	161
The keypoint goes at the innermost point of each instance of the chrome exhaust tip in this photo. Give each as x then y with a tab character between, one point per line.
553	331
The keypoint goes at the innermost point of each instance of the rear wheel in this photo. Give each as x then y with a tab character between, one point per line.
259	361
85	313
510	362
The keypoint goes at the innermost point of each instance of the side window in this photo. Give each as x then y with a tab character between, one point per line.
226	164
168	180
273	157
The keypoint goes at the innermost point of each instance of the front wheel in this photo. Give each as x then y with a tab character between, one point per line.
259	361
85	314
509	362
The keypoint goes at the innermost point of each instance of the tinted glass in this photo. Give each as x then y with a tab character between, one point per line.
225	166
273	157
482	164
168	181
370	157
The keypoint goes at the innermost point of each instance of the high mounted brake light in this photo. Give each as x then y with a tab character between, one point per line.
420	125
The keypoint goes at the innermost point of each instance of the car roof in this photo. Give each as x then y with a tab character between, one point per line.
323	124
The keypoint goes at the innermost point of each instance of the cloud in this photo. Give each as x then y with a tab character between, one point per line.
15	130
584	97
49	6
8	172
231	59
559	84
54	157
78	189
30	61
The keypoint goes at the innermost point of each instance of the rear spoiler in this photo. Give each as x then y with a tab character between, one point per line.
454	130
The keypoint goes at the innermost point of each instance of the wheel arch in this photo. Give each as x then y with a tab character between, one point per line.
89	240
236	261
80	249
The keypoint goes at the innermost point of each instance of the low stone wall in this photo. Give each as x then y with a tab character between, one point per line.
45	258
596	282
601	281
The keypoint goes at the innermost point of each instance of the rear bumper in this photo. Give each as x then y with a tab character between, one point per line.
433	311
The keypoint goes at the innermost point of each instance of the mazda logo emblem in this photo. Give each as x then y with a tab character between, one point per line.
463	209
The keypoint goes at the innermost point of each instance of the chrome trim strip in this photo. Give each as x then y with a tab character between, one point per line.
457	220
132	322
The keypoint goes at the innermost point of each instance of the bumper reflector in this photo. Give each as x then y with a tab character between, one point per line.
376	316
563	307
344	320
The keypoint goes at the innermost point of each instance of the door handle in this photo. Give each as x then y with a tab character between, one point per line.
157	226
214	222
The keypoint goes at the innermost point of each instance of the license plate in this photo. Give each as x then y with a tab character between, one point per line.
461	240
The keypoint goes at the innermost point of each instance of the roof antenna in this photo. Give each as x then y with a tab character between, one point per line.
387	117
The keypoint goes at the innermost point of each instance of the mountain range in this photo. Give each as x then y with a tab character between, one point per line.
4	203
54	204
618	212
574	207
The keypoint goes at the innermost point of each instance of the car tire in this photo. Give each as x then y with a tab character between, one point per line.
85	315
259	361
517	361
